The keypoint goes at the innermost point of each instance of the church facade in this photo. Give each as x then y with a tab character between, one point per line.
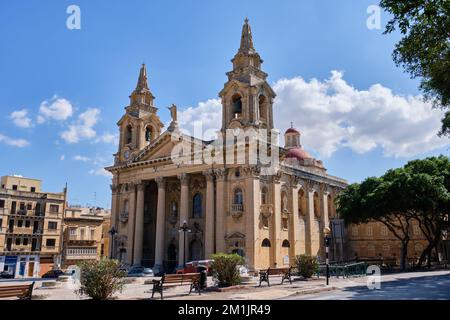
266	211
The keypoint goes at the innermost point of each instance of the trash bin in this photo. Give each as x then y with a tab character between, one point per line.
203	276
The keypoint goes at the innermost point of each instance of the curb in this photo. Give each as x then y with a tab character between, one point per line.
312	291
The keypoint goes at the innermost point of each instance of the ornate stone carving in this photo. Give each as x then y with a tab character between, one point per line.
221	173
209	174
197	184
115	188
161	182
184	179
141	185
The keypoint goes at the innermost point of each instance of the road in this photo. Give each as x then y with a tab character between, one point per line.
435	287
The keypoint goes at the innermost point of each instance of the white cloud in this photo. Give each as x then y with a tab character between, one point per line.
83	127
206	117
62	157
100	172
58	109
108	138
81	158
332	115
20	118
20	143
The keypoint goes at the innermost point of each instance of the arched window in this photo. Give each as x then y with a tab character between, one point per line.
262	108
148	134
264	195
265	243
236	105
285	244
238	197
125	206
197	206
129	134
196	250
316	205
302	208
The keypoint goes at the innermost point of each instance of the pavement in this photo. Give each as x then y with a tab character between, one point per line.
413	285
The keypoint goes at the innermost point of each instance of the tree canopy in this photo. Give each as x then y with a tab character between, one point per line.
424	50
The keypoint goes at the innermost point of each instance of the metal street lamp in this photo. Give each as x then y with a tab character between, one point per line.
326	232
185	229
113	233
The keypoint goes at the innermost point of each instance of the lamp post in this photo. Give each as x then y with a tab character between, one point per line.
113	233
326	232
185	229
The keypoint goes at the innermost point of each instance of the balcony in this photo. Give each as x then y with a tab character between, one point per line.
237	210
17	230
266	210
81	253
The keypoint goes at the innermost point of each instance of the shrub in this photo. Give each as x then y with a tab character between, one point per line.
101	279
306	265
225	269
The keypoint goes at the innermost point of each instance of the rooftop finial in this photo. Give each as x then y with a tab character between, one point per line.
142	81
246	39
292	124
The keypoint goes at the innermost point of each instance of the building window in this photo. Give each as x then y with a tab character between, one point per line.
82	232
19	223
285	244
92	234
17	241
148	134
14	187
265	243
197	206
238	197
2	203
22	206
52	225
129	134
29	206
54	208
72	232
236	105
265	222
33	189
25	241
285	223
369	231
27	223
50	243
264	195
384	231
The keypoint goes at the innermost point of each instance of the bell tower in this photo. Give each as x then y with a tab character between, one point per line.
140	125
247	98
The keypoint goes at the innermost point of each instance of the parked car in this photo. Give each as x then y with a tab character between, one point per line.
140	272
55	273
196	266
6	275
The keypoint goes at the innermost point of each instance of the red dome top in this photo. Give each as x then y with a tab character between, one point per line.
292	130
298	153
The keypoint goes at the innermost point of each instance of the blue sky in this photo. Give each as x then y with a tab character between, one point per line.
187	46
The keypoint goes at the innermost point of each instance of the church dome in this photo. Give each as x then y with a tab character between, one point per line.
292	130
298	153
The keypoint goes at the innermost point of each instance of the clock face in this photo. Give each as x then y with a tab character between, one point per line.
126	154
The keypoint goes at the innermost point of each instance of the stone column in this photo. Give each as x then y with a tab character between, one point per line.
294	236
131	215
221	198
160	225
139	225
311	245
209	215
252	205
115	212
276	225
184	216
325	213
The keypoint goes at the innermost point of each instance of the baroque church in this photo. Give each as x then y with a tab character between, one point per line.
225	207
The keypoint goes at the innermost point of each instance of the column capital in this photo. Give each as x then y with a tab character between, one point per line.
209	174
221	173
161	182
184	178
141	185
115	188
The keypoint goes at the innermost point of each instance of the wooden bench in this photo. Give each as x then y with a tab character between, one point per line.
21	291
285	273
172	280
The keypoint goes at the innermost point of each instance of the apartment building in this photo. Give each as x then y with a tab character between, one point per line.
84	234
30	227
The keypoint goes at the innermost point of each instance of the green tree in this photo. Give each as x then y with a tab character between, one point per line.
101	279
424	50
419	191
225	268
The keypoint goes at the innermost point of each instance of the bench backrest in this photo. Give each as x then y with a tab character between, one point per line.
20	291
184	278
275	271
